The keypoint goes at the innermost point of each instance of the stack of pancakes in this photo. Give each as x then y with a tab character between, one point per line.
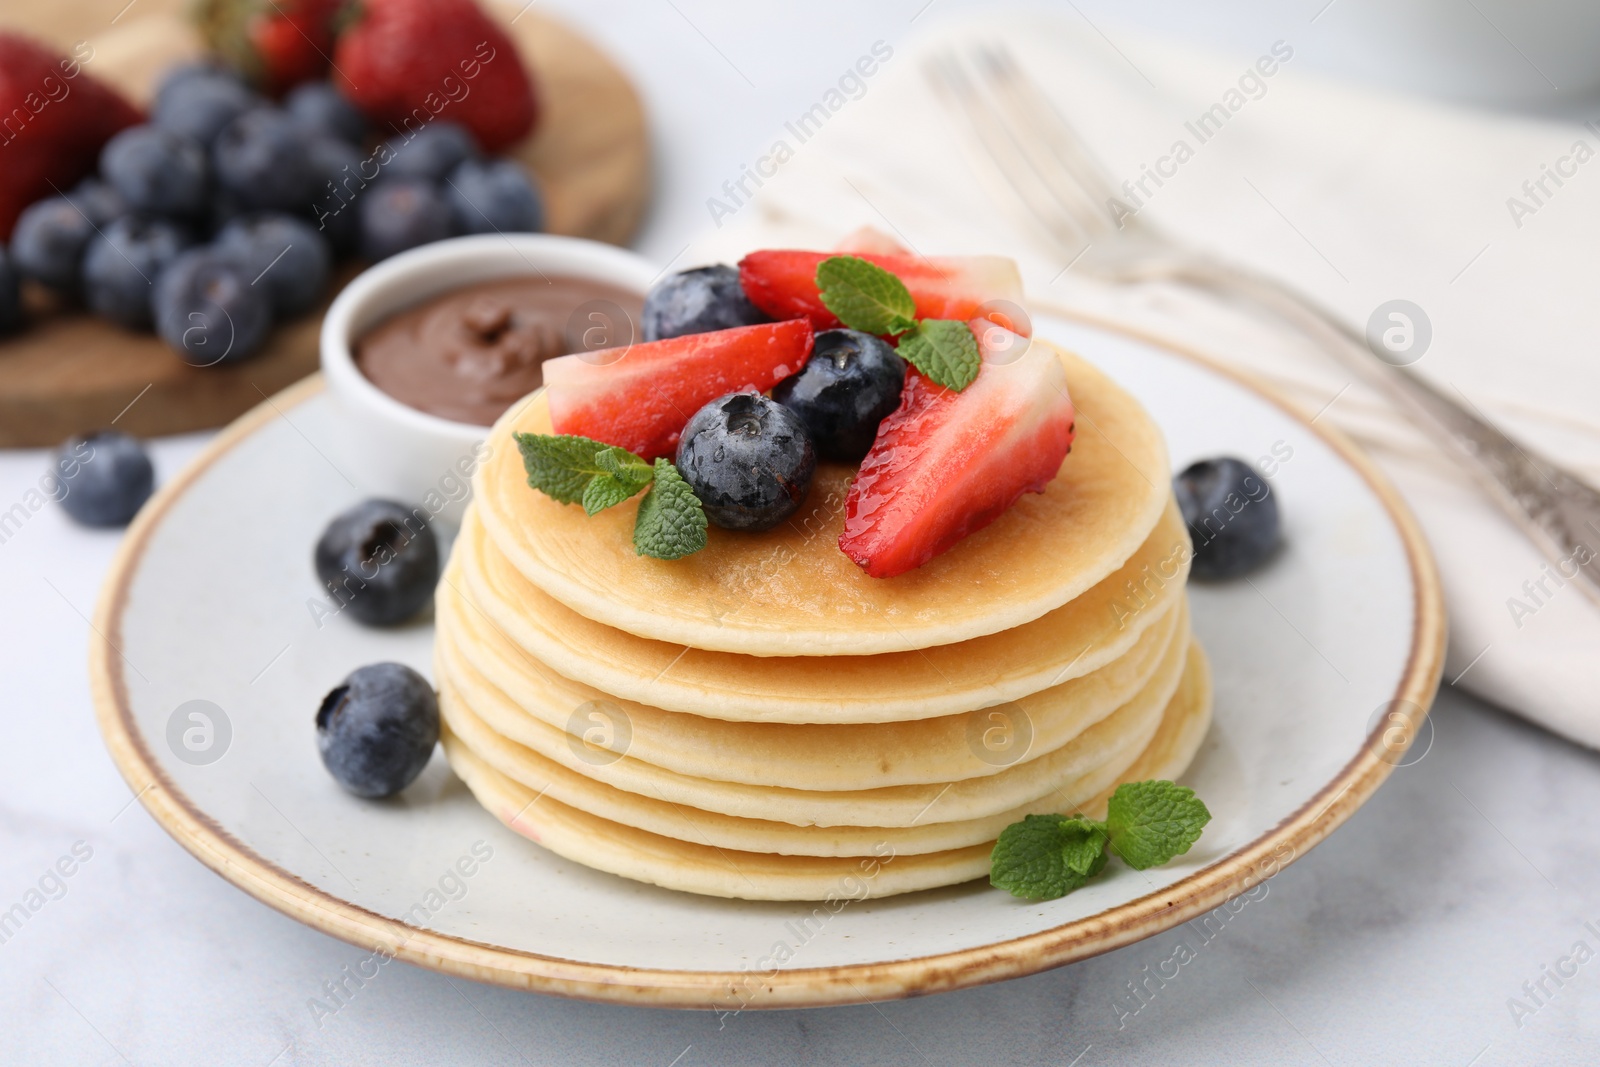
763	720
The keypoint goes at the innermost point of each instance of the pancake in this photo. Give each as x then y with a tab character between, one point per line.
548	778
816	756
791	592
700	868
905	805
1094	629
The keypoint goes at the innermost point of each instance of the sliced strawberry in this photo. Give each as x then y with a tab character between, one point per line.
784	284
946	464
640	397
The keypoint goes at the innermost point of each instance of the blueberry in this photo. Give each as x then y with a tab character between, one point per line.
1232	516
340	168
99	202
207	311
122	263
157	171
204	67
851	381
322	109
494	197
430	153
198	105
376	729
401	214
282	254
104	478
48	242
260	157
748	459
10	296
698	301
380	560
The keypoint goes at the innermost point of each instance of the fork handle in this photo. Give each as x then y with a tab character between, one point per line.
1558	510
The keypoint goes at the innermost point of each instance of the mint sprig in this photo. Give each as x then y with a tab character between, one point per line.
943	350
560	465
670	524
1151	822
865	297
1048	856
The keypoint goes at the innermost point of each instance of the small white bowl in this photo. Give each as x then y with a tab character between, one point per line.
390	449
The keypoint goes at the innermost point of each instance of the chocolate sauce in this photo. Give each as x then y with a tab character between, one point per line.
470	354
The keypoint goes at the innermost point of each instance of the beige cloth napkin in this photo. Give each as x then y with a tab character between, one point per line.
1355	197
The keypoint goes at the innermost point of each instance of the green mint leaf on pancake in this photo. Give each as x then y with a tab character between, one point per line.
560	465
624	474
581	470
625	467
604	491
944	350
1084	849
1045	856
671	523
864	296
1151	822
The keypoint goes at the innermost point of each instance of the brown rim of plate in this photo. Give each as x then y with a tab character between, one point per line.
1143	917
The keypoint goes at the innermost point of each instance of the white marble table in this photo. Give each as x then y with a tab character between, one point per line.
1400	940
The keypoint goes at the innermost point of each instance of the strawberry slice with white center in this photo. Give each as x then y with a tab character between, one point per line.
946	464
641	397
783	283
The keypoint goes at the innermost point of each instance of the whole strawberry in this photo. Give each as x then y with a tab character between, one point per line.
277	44
405	62
56	119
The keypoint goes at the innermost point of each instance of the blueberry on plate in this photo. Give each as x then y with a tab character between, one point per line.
401	214
430	153
1232	516
48	242
748	459
207	311
849	384
123	261
157	171
339	168
104	478
10	296
322	109
493	196
380	560
282	254
260	157
377	728
698	301
199	103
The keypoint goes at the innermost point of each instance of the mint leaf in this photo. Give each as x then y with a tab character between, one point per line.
1045	856
671	523
560	465
625	474
864	296
1085	847
944	350
1151	822
625	467
604	491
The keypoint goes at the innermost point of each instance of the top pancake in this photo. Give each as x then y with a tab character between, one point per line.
791	592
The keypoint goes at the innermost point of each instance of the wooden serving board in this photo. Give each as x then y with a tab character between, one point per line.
69	372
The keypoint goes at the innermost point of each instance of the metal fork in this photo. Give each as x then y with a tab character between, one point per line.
1062	189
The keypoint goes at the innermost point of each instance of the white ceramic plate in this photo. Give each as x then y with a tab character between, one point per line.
211	601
